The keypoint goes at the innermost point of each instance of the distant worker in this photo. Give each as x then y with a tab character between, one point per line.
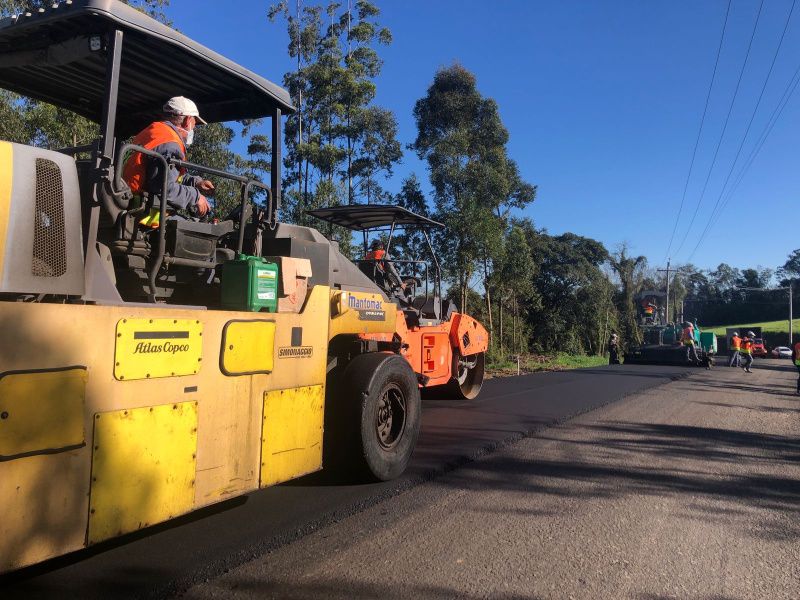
384	268
649	311
735	343
169	137
796	360
746	351
613	350
687	339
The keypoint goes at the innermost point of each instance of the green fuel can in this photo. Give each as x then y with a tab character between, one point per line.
250	283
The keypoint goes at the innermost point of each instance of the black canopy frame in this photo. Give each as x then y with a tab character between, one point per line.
116	66
370	218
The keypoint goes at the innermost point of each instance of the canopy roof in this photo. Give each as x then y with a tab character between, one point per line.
363	217
47	55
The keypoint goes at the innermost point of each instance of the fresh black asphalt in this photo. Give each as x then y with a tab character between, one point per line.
163	560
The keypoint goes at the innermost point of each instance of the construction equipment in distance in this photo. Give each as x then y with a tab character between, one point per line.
662	345
446	348
146	373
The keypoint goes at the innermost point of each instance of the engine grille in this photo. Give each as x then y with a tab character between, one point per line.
49	237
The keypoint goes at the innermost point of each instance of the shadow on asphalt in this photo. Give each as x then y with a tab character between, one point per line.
745	387
609	461
625	442
347	589
762	408
760	364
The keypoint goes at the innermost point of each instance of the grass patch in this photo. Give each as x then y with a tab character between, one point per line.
775	332
532	363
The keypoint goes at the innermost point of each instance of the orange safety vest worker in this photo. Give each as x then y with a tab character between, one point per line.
747	346
736	342
134	172
687	336
377	255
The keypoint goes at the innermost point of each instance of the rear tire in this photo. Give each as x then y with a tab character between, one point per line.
468	372
375	413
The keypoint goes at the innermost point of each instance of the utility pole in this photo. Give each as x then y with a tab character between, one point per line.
791	339
667	271
300	198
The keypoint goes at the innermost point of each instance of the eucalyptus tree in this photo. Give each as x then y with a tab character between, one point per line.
337	136
462	138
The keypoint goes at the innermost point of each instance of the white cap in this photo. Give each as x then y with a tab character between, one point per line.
182	107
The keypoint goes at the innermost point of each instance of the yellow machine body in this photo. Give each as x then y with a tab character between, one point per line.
91	447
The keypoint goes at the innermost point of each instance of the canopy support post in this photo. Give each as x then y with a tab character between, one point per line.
103	163
275	167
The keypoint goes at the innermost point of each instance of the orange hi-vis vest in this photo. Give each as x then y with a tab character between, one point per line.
747	346
135	171
376	255
687	336
736	342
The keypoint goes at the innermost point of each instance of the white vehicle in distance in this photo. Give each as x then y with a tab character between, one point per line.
781	352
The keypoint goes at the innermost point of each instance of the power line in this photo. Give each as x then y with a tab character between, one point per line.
750	123
776	113
771	122
724	127
751	159
700	131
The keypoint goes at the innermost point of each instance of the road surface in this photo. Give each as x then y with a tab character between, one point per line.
687	491
168	559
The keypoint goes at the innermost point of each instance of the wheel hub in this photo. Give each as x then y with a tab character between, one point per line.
390	417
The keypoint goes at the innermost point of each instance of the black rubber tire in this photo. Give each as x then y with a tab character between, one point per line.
362	394
469	386
468	389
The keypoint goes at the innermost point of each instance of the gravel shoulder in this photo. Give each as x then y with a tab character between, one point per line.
690	490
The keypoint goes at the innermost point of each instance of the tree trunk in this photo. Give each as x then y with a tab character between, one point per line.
500	318
305	191
514	324
488	296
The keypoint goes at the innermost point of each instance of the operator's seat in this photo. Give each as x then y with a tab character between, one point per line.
429	307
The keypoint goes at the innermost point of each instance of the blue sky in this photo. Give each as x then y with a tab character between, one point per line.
603	102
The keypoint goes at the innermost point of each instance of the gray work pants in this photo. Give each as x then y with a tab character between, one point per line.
691	351
748	361
735	359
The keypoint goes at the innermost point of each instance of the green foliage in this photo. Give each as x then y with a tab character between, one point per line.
571	309
337	134
410	244
475	183
627	269
154	8
32	122
28	121
532	363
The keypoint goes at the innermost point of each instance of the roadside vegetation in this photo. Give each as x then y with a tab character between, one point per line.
532	363
539	294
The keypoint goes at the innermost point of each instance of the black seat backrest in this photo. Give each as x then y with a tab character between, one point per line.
429	306
198	241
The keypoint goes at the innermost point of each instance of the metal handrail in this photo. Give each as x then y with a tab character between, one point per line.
247	184
375	261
